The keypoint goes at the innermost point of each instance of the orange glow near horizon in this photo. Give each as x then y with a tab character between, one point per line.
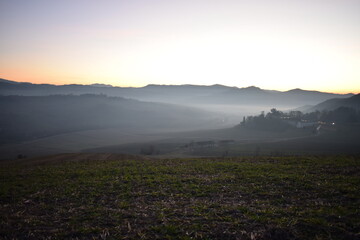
268	44
17	78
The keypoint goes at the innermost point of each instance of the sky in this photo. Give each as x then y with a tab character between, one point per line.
271	44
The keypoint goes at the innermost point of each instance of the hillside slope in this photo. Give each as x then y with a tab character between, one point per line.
331	104
26	118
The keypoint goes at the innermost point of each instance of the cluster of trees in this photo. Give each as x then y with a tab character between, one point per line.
270	121
341	115
277	120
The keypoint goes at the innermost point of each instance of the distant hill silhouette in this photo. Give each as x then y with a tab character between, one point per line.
331	104
8	81
100	85
180	94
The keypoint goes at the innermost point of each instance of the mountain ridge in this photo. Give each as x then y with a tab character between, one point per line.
187	94
252	87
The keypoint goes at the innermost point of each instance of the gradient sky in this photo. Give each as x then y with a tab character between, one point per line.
272	44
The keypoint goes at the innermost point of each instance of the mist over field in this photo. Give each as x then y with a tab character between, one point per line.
173	120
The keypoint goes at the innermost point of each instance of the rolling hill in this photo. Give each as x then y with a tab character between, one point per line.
331	104
181	94
31	117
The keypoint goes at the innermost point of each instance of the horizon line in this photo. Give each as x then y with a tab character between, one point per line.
185	84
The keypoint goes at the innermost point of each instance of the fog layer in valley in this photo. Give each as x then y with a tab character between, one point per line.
39	119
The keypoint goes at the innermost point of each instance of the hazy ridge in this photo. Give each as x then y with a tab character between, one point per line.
180	94
40	119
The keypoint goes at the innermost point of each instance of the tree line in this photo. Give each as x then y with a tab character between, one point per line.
276	120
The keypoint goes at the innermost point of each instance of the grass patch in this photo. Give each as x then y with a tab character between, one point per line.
225	198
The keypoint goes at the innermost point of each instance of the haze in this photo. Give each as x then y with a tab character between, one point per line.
279	45
179	119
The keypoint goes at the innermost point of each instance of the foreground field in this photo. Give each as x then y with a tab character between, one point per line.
86	196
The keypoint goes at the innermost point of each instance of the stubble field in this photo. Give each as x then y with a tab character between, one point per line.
108	196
